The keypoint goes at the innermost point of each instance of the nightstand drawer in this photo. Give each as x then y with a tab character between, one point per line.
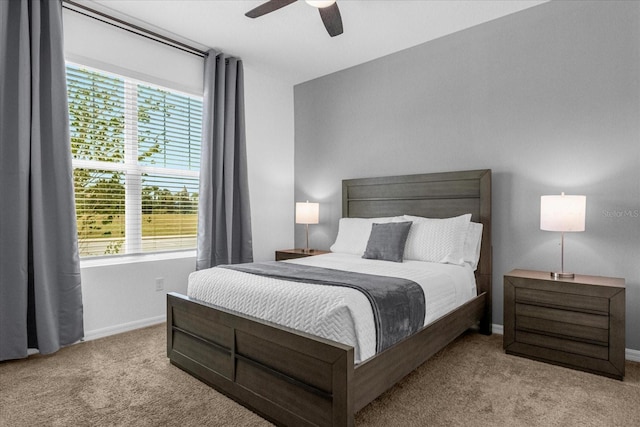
285	254
562	300
565	316
282	256
568	346
561	329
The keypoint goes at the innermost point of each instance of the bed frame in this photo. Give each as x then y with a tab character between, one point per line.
296	379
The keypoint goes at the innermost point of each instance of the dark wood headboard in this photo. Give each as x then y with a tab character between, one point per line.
432	195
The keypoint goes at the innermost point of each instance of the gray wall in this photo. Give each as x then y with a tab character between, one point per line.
548	98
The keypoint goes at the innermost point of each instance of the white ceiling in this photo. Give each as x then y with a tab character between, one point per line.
292	43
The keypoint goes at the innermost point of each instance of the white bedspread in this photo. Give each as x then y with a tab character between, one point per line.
332	312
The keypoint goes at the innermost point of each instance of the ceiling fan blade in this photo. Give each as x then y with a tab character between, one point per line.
268	7
332	20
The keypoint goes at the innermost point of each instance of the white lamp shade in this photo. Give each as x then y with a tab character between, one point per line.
562	213
307	213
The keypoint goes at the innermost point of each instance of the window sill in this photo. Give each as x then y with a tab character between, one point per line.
135	258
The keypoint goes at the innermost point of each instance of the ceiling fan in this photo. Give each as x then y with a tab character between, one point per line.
328	9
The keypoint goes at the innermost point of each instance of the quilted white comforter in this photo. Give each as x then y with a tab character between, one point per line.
332	312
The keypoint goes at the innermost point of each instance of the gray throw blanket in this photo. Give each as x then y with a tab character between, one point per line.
398	304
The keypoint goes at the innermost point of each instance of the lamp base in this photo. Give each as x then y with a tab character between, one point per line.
562	275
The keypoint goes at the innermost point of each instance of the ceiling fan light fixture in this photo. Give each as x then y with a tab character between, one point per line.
320	3
329	12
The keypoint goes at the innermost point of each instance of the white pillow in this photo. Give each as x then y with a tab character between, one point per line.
472	242
437	239
353	234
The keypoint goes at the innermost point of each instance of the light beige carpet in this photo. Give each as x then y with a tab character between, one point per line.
126	380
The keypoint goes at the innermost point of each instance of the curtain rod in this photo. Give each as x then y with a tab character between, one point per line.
132	28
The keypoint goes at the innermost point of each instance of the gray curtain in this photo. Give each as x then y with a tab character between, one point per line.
224	216
40	295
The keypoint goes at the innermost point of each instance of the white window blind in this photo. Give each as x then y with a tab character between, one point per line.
136	159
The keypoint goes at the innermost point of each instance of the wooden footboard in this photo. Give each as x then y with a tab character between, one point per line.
286	376
289	377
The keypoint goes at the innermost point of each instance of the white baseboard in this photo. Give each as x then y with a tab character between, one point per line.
632	355
124	327
629	354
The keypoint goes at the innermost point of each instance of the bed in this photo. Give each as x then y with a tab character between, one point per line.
295	378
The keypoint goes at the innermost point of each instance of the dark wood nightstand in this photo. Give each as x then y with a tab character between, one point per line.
577	323
283	254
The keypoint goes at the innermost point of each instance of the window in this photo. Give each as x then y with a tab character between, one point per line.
136	160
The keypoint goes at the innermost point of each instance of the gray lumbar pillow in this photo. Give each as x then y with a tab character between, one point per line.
386	241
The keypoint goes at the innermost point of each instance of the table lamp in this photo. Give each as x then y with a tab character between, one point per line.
307	213
564	214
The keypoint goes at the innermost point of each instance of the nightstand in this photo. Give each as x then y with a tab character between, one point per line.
283	254
577	323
